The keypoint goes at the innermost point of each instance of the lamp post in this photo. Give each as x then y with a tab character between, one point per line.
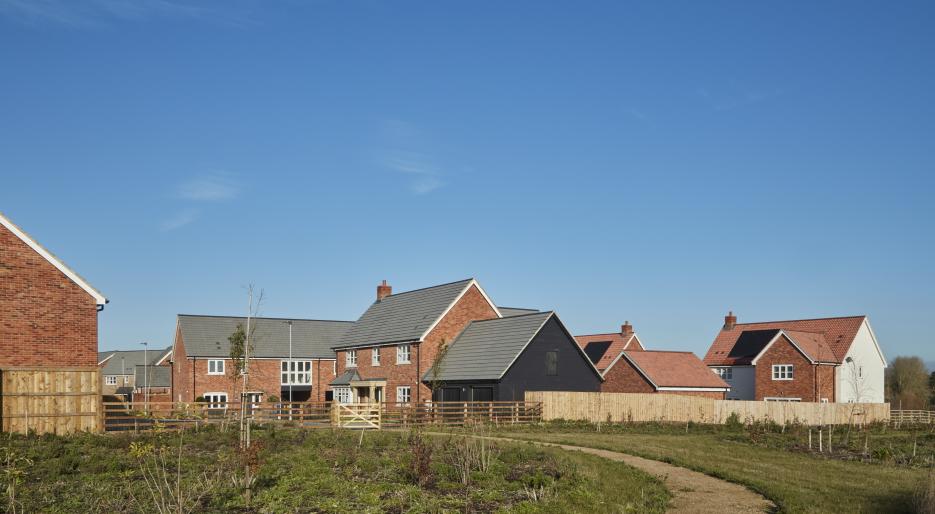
290	368
145	376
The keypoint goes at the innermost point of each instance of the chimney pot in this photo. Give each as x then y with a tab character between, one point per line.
730	320
384	290
626	330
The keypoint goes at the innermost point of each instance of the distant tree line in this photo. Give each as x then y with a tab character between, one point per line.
909	384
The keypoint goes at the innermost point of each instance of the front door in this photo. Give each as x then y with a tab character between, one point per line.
378	394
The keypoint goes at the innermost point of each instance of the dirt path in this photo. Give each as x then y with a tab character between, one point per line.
692	492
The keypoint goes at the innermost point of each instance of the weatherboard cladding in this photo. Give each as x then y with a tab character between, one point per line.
485	350
207	336
402	317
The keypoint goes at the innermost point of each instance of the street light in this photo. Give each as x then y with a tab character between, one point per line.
290	368
145	376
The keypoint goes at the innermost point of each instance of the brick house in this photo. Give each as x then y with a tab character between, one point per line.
49	313
604	349
810	360
118	368
665	372
500	359
383	356
202	367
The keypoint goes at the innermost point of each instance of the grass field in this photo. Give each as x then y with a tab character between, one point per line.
311	471
765	461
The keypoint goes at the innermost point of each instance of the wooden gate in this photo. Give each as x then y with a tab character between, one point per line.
50	400
357	415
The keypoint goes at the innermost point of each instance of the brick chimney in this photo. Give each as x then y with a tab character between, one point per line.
626	330
384	290
730	320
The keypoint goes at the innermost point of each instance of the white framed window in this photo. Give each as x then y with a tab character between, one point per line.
402	353
216	367
110	380
782	371
295	372
780	399
342	394
375	356
724	373
126	380
350	359
403	394
216	400
334	368
824	400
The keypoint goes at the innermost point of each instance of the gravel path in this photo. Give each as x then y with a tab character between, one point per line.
692	492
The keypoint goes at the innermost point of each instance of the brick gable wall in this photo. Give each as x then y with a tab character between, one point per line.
624	378
471	306
48	320
810	383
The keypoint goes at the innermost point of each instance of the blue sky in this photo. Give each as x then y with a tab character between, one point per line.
653	162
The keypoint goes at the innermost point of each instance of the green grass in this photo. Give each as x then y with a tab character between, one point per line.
315	471
797	481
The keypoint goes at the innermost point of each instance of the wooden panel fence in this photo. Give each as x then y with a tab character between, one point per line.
50	400
120	416
641	407
912	417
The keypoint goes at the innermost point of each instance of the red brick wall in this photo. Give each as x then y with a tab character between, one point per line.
471	306
47	319
264	376
804	384
623	378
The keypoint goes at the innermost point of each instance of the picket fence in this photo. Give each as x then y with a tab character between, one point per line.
643	407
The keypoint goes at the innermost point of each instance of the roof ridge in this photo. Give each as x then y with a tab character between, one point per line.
603	334
802	319
659	351
264	317
430	287
513	317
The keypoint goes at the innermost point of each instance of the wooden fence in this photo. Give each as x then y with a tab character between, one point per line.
912	417
120	416
636	407
50	400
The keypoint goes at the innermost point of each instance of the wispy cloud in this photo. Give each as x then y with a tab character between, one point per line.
405	154
211	188
92	13
194	195
179	220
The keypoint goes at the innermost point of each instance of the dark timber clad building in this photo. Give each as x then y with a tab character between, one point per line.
500	359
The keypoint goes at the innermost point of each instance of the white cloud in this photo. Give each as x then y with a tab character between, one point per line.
179	220
210	188
405	155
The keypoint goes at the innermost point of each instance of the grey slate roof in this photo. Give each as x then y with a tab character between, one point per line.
158	376
206	336
404	316
103	355
123	361
515	311
346	378
485	349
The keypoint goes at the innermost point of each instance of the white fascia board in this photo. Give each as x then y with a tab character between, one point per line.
636	338
773	340
467	288
702	389
873	337
640	370
53	260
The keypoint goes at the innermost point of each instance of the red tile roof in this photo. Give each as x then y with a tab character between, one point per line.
674	369
837	334
617	344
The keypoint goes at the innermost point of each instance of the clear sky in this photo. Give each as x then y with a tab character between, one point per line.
657	162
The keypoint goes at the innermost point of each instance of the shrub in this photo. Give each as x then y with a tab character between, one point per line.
925	495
